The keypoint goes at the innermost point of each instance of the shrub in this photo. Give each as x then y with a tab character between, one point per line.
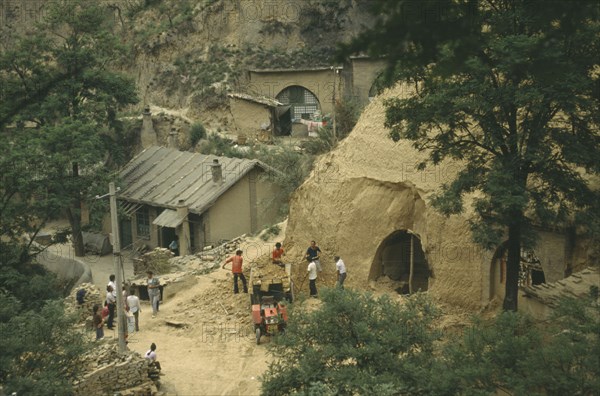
354	344
197	133
291	168
273	230
324	142
346	113
217	145
42	351
556	357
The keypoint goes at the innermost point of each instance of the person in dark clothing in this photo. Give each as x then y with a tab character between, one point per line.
111	301
313	253
98	322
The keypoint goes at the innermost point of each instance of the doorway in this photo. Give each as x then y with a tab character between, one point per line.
167	235
400	257
531	272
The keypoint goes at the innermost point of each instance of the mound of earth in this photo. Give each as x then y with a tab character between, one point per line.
366	199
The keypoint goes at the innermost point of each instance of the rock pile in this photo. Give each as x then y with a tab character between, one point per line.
215	314
156	261
92	296
109	371
194	264
208	259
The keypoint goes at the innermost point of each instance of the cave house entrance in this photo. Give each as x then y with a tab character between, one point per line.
400	257
531	272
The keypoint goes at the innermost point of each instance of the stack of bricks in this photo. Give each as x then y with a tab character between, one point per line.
109	371
92	297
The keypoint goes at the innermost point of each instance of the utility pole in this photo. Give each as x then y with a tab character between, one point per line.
412	264
121	320
334	102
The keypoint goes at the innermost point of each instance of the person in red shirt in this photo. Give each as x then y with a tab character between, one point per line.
277	253
236	268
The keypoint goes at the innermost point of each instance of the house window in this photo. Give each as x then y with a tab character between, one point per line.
303	102
142	219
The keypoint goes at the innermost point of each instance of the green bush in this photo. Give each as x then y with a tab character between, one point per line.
354	344
512	352
346	113
272	230
217	145
42	352
41	348
197	133
290	167
324	142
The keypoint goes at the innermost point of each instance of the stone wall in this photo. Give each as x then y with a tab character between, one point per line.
111	372
364	74
67	269
249	117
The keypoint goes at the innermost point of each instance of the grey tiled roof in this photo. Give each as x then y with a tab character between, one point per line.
161	176
260	99
576	285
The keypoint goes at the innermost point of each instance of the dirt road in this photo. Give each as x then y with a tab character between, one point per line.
214	352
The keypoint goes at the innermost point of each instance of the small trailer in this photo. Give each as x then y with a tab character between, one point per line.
269	296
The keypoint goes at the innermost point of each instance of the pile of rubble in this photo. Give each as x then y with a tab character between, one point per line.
264	268
91	297
107	371
156	261
208	259
195	264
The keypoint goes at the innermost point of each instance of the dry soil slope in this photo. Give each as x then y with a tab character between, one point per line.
367	188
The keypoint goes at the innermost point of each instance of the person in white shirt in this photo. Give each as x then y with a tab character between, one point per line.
111	301
133	302
111	283
151	356
341	271
312	277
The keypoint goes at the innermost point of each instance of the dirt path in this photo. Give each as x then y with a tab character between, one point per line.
216	352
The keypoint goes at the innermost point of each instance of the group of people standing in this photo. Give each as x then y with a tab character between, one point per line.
313	254
132	307
132	310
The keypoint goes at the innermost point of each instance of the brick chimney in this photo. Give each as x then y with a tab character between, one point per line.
148	135
172	139
217	172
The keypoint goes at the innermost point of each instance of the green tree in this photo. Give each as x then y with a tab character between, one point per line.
511	88
42	351
65	133
514	353
355	344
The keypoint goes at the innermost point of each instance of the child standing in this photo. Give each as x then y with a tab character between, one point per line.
98	322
